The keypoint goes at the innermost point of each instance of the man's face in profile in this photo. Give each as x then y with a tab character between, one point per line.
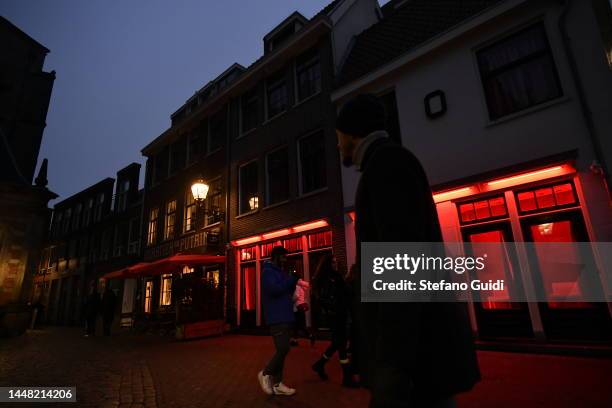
346	146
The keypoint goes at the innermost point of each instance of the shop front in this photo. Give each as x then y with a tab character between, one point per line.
182	294
532	205
537	205
306	243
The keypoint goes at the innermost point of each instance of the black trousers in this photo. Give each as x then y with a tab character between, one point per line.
280	334
107	322
90	325
338	338
300	324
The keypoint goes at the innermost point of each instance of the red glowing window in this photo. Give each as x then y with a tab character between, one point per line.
467	212
320	240
564	194
527	201
498	266
293	244
249	281
497	206
482	209
560	267
547	197
266	249
247	254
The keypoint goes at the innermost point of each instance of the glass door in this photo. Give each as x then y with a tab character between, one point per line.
558	274
496	314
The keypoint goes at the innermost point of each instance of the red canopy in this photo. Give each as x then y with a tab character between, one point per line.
165	265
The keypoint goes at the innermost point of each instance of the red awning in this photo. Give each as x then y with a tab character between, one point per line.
125	272
165	265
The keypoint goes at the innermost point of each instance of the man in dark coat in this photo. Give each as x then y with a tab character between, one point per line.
412	354
108	309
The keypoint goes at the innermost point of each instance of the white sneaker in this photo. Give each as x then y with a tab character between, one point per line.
282	389
265	383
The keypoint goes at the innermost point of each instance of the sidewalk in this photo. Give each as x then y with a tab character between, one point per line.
149	371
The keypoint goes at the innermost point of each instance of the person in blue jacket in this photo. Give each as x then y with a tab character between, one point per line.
277	298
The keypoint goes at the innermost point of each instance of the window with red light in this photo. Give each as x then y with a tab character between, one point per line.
482	210
293	244
560	267
248	254
548	197
320	240
266	249
499	266
249	288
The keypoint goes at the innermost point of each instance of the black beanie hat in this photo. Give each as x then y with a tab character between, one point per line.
361	116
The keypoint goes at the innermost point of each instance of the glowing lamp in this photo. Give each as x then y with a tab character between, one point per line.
199	189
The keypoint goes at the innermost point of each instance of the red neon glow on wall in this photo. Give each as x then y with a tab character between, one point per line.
249	240
281	233
528	177
310	225
275	234
452	194
504	182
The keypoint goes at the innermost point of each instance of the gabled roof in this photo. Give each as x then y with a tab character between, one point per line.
295	16
21	33
327	9
412	23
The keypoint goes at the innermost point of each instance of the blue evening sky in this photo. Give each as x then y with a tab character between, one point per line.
124	66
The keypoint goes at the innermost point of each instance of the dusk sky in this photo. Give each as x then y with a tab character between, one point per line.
124	66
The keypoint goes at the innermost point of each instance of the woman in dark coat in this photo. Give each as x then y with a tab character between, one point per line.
330	291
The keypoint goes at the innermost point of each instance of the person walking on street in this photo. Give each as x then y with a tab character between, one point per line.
92	307
300	307
278	287
108	309
412	354
330	292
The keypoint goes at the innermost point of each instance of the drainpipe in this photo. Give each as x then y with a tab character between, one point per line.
599	166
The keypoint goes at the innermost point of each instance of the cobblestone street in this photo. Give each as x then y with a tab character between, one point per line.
150	371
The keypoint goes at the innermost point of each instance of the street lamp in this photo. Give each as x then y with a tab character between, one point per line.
199	189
